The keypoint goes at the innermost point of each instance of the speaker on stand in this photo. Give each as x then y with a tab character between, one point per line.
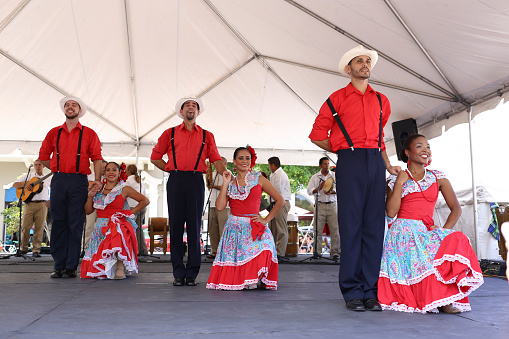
401	130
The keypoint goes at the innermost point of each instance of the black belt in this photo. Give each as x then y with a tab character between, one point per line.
328	202
37	201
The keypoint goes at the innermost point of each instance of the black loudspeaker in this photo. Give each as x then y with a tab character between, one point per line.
401	130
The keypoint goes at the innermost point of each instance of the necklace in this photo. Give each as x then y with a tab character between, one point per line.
417	182
238	187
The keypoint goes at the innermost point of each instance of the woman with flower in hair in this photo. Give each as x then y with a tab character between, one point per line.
246	256
112	249
425	268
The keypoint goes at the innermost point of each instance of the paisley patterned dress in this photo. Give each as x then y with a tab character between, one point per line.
246	253
113	237
423	268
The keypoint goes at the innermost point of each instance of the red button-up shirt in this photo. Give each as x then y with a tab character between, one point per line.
68	147
360	114
187	148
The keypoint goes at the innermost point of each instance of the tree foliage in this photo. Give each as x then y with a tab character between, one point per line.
11	218
298	175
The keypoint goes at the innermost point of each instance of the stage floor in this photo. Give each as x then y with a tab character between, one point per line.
308	303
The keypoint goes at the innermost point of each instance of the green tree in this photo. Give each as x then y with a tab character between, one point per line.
298	175
11	218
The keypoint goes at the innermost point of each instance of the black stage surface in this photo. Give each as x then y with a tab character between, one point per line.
307	304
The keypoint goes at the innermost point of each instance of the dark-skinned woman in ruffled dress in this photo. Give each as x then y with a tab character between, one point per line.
112	250
425	268
246	256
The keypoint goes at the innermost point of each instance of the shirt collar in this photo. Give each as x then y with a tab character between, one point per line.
182	126
350	89
64	126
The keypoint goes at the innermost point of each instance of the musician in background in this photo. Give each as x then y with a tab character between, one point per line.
134	181
217	219
326	206
278	225
35	209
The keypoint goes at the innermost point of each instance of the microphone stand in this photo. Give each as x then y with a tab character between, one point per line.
315	229
20	205
139	229
207	206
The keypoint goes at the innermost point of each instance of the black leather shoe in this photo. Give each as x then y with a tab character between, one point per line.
281	258
335	258
57	273
36	255
371	304
355	305
190	282
179	282
68	273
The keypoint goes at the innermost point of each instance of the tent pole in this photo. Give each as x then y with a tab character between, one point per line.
137	153
474	189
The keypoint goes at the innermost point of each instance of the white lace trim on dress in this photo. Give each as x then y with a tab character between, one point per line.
411	187
242	192
108	198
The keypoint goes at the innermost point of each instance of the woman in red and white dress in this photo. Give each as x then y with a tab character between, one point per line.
246	256
425	268
112	247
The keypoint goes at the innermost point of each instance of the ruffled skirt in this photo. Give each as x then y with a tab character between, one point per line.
422	270
112	240
242	263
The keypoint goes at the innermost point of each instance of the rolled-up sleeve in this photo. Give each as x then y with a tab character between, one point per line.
323	124
212	152
94	147
47	146
161	148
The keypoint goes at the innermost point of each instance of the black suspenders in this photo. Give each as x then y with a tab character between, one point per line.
173	149
79	150
343	129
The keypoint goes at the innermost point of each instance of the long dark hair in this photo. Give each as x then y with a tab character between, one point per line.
406	145
133	170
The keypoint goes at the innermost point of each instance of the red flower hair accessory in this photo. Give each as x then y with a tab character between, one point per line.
253	155
122	176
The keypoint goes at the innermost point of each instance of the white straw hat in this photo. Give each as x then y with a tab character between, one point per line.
78	100
353	53
182	101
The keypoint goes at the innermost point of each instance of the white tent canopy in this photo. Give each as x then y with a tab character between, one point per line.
262	67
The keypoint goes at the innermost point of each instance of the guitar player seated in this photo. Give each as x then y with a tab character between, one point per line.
36	199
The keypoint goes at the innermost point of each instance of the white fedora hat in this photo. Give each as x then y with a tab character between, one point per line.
78	100
353	53
182	101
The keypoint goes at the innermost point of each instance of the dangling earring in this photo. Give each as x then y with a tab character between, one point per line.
408	163
104	181
429	162
234	170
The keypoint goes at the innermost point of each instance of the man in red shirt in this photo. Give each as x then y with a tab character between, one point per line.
67	151
187	147
350	123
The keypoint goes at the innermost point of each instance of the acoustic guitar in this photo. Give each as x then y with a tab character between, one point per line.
37	183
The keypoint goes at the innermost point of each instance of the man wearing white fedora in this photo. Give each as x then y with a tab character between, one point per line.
350	123
187	147
67	151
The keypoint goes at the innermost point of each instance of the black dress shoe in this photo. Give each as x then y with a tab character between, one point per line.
57	273
355	305
372	304
68	273
36	255
281	258
335	258
179	282
190	282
